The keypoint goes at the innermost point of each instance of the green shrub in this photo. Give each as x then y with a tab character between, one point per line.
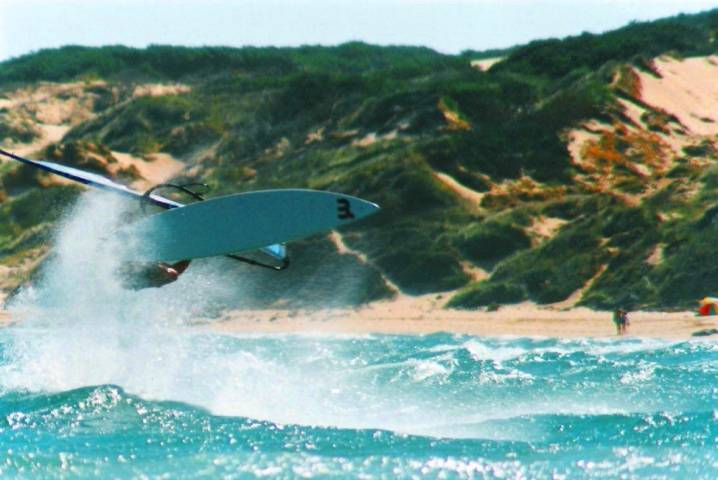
418	272
23	133
486	293
705	149
557	268
39	206
490	241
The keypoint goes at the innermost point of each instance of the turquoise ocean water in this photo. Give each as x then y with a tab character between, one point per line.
438	406
96	381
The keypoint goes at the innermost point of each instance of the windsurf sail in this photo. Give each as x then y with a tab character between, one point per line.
278	251
92	180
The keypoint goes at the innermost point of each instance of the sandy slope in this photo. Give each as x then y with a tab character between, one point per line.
160	168
485	64
671	108
472	196
687	89
54	108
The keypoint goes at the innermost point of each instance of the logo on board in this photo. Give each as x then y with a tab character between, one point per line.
344	209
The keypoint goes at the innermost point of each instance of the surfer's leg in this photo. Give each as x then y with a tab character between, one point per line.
180	266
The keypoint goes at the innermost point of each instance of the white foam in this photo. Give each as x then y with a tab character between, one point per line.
80	327
426	369
481	351
643	372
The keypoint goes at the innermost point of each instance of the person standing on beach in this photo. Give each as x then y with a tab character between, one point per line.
618	321
624	322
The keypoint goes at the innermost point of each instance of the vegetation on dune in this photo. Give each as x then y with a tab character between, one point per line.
25	221
23	133
391	124
159	62
150	124
485	242
684	34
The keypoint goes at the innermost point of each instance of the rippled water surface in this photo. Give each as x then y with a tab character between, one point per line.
377	406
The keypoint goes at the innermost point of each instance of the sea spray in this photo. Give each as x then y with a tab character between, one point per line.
100	381
80	327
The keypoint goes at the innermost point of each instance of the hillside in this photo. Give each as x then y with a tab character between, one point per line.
574	171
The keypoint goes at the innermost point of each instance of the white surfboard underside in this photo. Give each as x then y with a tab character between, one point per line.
240	223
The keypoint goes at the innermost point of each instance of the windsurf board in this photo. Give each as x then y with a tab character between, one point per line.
240	223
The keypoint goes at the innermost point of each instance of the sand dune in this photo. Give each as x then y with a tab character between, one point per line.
468	194
160	168
485	64
54	108
687	89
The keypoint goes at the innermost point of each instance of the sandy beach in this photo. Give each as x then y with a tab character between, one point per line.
426	315
423	315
